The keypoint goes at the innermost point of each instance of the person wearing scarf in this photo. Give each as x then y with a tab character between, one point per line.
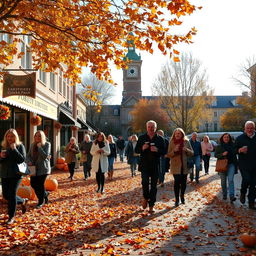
100	151
178	151
226	149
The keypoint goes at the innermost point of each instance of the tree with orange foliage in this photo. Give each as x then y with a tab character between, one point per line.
234	119
146	110
79	33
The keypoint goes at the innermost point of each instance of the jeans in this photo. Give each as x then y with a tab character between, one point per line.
37	183
196	160
206	160
121	154
87	169
249	181
149	185
9	190
133	167
228	176
111	163
71	168
180	184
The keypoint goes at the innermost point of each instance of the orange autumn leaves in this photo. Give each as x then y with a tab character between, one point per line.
90	33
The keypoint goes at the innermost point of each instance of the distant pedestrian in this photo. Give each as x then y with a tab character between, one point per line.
120	143
151	147
12	153
71	151
86	157
246	149
179	150
39	155
207	148
226	149
164	160
132	157
197	157
112	156
100	151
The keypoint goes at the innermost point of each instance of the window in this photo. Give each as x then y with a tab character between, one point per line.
60	82
68	92
71	94
26	60
42	76
52	81
215	127
116	112
64	86
215	114
6	38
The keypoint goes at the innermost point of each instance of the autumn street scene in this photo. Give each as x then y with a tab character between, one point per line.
79	221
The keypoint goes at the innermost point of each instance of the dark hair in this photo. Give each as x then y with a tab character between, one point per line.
230	138
98	135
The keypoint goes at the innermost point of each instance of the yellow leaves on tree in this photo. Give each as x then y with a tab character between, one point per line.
146	110
90	33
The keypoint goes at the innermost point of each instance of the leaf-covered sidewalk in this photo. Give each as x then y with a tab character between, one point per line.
79	221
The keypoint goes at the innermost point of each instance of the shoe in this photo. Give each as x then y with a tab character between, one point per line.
10	221
24	206
176	204
232	199
224	197
144	203
151	209
242	198
98	190
102	191
197	181
182	199
251	206
46	199
39	206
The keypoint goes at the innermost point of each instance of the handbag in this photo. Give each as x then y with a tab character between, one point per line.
221	165
23	169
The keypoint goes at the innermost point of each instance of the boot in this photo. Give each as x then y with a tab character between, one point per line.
252	206
242	198
182	199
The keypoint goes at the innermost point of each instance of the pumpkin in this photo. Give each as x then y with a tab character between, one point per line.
51	184
59	166
25	181
24	192
248	240
60	160
66	168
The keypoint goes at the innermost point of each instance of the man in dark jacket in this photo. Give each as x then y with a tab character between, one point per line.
120	144
151	147
197	158
246	149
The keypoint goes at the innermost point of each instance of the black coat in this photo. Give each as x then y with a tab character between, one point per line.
132	157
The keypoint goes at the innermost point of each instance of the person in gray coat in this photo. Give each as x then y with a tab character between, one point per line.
39	155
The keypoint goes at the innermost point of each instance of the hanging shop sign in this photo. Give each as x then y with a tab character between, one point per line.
21	85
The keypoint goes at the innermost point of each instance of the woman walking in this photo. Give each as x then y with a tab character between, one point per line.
86	157
207	148
12	153
71	151
112	156
132	157
226	149
178	151
100	151
39	155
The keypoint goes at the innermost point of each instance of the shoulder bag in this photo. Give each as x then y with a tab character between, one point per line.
221	165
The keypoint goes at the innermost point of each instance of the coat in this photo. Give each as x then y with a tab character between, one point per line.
100	158
42	163
85	147
175	162
70	156
132	157
9	165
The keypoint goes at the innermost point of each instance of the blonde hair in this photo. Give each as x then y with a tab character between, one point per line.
72	138
180	130
207	137
5	143
111	138
134	136
88	137
43	137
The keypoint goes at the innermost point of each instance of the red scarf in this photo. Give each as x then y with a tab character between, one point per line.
179	142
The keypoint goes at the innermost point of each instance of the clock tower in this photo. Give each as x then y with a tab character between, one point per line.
132	75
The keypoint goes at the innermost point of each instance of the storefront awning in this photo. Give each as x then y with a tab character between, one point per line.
84	125
67	120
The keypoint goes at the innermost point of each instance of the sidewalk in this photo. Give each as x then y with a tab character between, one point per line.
205	225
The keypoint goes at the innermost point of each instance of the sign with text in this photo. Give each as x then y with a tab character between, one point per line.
19	85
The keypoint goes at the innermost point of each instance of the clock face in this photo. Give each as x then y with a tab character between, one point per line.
132	71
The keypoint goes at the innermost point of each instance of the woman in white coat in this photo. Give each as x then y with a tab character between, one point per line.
100	151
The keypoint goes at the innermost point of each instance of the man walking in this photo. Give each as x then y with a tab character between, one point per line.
120	144
246	149
151	147
197	157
